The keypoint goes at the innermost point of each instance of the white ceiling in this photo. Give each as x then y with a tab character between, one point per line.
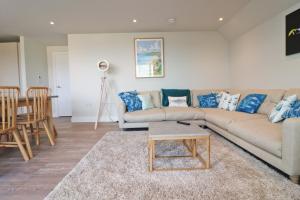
32	17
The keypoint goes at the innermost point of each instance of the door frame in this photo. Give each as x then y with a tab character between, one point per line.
51	52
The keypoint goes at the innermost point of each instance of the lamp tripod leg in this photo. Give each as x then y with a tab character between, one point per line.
100	104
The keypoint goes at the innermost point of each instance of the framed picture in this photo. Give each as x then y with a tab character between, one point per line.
293	33
149	57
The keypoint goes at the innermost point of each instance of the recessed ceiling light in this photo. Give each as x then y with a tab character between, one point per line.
52	22
171	20
134	20
221	19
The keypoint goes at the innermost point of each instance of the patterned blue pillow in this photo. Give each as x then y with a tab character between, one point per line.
294	112
208	101
131	100
251	103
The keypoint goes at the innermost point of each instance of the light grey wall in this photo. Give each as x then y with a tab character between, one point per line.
9	67
192	60
35	62
258	60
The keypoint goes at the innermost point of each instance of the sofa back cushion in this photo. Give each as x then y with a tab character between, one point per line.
292	91
274	96
199	92
155	97
175	93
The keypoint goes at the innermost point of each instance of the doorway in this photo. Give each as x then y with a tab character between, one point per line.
61	84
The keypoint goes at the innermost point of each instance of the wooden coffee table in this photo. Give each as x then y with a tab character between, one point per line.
188	134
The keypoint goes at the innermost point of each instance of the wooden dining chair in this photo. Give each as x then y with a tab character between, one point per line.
9	105
37	113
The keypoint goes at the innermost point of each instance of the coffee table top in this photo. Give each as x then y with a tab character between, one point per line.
172	130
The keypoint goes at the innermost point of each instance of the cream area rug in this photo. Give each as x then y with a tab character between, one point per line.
117	168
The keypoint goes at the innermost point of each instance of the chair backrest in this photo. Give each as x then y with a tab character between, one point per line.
9	105
37	103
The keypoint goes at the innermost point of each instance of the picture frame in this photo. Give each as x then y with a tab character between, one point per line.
149	57
293	33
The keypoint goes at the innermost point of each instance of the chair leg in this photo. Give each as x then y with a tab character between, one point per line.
20	145
27	141
37	134
50	136
31	130
55	132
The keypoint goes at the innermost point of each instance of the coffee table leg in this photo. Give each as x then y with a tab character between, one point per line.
150	155
208	153
194	144
153	149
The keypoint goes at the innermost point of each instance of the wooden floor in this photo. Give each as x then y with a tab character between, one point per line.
36	178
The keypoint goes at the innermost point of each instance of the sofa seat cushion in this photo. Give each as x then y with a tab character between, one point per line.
181	113
151	115
223	118
259	132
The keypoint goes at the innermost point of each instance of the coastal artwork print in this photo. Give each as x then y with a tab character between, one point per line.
293	33
149	58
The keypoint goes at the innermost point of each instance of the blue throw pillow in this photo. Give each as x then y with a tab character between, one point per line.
251	103
131	100
208	101
175	93
294	112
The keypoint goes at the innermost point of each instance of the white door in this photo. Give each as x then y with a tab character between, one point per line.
62	83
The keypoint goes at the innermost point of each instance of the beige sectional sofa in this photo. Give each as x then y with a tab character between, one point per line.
278	144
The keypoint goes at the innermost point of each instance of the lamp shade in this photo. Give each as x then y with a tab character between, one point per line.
103	65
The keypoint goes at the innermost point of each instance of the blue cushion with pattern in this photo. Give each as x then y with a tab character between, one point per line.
294	112
208	101
131	100
251	103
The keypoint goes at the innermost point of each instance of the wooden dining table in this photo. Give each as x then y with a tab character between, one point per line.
22	103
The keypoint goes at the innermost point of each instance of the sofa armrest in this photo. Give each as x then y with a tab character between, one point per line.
291	145
121	111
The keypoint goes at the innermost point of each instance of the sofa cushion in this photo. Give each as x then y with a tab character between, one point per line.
223	118
274	96
181	113
198	92
177	101
151	115
259	132
146	100
281	108
131	100
155	97
208	100
292	91
294	112
228	102
251	103
175	93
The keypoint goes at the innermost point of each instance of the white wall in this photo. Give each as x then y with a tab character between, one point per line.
36	62
192	60
258	60
9	67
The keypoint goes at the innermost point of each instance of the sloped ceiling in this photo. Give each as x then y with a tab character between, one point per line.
253	14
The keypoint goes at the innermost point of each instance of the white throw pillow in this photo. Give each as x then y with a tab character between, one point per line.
229	102
233	102
177	101
283	106
224	100
146	100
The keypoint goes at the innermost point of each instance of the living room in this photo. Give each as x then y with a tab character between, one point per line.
150	99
